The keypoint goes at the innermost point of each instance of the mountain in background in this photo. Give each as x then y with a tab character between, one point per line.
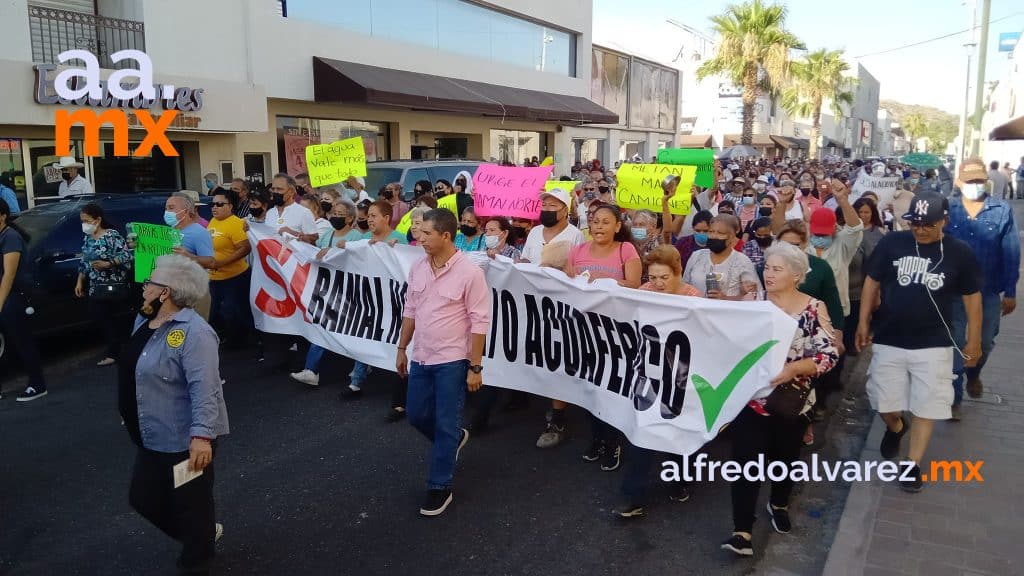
939	127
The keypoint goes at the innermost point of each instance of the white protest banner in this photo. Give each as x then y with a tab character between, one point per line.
883	186
668	371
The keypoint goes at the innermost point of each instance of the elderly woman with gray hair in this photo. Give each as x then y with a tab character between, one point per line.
773	426
172	403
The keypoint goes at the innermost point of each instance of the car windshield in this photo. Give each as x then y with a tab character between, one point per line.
39	222
377	177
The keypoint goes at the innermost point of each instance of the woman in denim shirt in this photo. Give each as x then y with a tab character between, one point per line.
105	260
170	397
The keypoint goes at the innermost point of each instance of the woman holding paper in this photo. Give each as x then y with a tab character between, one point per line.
172	405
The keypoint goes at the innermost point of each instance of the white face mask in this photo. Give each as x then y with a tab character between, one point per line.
759	186
88	228
491	242
973	191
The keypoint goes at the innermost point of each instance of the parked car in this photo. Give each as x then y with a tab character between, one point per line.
408	172
54	252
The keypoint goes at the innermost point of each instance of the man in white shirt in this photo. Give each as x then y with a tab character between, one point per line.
74	183
555	227
287	215
1000	183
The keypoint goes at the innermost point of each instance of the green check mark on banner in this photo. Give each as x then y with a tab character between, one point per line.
712	399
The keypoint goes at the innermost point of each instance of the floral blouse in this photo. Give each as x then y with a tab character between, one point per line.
813	339
111	247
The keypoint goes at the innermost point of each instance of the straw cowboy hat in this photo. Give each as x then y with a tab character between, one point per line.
68	162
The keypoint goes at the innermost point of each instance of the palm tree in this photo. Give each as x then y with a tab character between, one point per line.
914	125
753	49
818	77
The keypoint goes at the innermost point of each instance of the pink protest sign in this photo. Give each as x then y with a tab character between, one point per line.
510	191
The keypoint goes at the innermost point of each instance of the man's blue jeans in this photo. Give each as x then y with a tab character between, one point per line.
434	404
991	310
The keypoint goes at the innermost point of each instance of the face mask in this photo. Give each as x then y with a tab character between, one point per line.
326	207
467	230
716	245
764	211
170	218
548	218
491	242
914	181
257	212
351	194
759	186
748	200
763	242
588	196
805	190
277	199
822	242
639	233
209	185
701	238
338	222
973	191
363	224
66	176
149	309
88	228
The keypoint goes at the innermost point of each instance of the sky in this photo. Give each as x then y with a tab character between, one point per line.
931	74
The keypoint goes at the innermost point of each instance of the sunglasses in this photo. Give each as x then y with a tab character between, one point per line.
219	204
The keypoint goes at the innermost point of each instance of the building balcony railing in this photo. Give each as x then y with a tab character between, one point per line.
54	31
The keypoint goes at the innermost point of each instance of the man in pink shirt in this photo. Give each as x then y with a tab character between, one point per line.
449	299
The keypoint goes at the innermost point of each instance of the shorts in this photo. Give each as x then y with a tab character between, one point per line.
918	381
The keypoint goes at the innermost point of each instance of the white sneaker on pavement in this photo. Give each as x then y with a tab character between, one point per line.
307	377
218	531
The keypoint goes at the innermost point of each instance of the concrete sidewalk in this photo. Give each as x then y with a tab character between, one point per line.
949	528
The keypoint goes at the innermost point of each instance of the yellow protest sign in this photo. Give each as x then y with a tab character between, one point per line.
639	187
548	161
449	202
567	185
333	163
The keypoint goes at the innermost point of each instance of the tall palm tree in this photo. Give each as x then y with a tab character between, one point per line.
915	126
753	49
818	77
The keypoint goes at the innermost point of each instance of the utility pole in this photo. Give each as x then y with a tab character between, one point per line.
979	89
969	47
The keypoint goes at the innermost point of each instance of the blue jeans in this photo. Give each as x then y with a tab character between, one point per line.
314	357
434	407
991	310
358	374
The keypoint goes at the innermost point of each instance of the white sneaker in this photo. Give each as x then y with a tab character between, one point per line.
307	377
218	531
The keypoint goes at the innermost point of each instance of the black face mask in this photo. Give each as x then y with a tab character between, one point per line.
765	210
66	176
716	245
387	194
363	224
277	199
150	309
763	242
467	230
326	206
805	191
257	212
338	222
548	218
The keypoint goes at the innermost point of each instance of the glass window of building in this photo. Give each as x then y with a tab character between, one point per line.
630	148
12	170
609	82
587	149
457	26
294	134
515	146
654	93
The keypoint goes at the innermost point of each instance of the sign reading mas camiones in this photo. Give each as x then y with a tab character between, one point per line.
128	94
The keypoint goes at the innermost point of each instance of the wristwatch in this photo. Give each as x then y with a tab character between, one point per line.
476	369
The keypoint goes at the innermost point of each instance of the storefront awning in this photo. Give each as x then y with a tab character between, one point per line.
695	141
786	142
337	81
830	143
756	140
1012	130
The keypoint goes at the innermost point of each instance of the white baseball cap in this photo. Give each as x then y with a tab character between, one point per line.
560	194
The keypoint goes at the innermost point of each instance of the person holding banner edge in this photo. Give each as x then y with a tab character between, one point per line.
450	301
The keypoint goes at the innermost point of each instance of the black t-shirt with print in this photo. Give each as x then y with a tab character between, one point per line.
908	272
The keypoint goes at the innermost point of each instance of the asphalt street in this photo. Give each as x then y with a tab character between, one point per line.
307	484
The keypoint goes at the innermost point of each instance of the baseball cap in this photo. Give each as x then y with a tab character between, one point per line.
560	194
823	222
739	179
972	169
926	208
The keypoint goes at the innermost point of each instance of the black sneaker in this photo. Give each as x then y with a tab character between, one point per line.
462	443
680	493
915	484
780	519
395	414
890	446
31	394
629	509
739	545
593	454
350	393
437	502
612	458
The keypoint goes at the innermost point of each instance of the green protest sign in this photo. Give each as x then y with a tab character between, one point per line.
151	240
702	158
